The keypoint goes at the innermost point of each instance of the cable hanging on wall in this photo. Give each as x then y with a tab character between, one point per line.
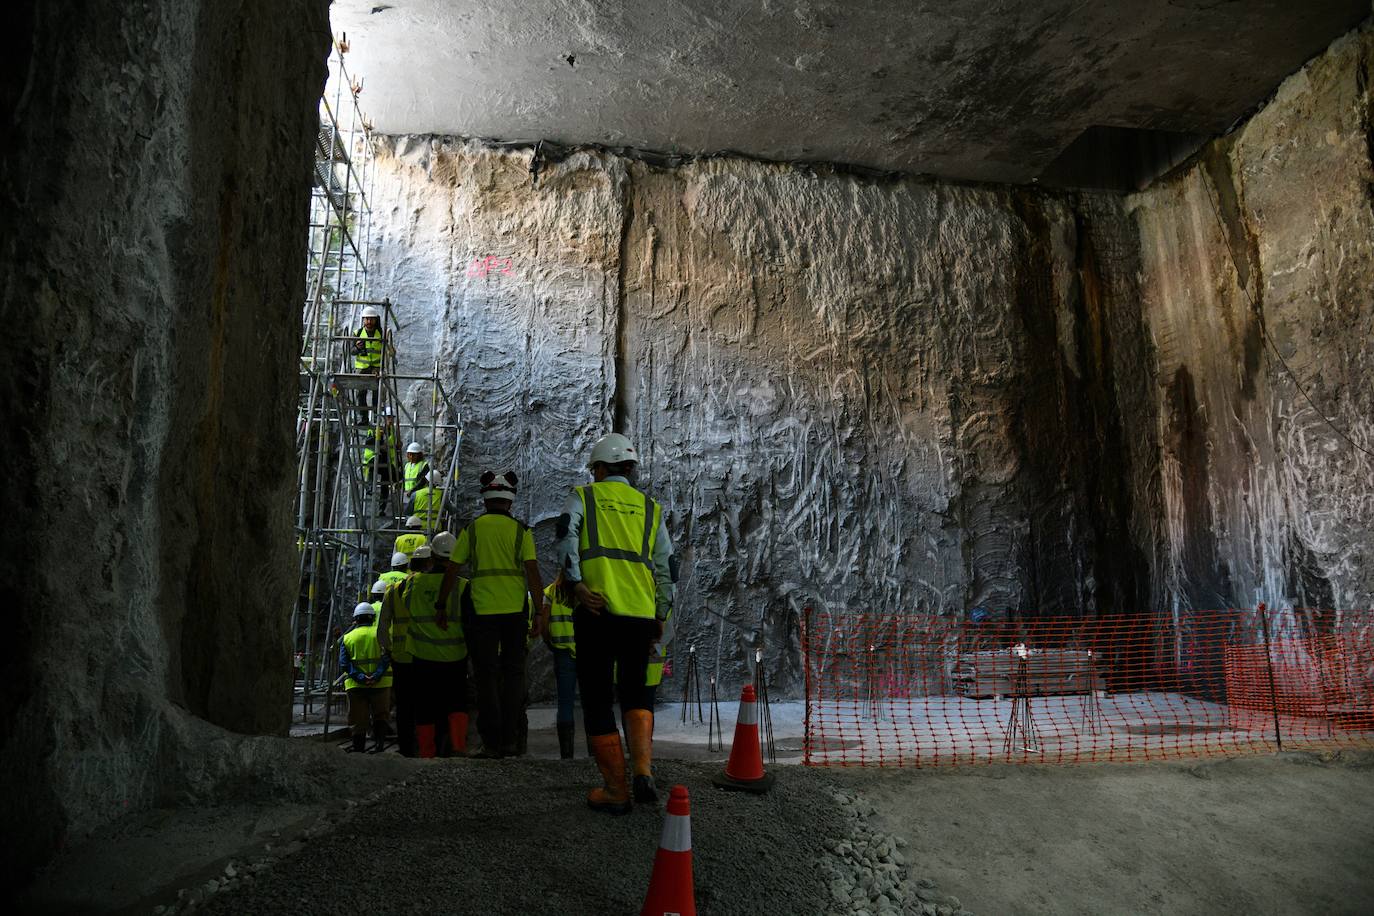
1264	327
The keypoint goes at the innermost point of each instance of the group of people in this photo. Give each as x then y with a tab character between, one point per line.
422	484
478	594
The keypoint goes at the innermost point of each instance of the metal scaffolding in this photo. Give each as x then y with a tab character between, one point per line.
353	421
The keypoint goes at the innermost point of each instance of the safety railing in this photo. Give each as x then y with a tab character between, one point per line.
913	689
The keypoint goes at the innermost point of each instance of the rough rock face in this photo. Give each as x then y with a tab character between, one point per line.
874	396
154	179
958	89
908	394
1258	293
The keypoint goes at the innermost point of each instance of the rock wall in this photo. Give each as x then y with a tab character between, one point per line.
846	393
902	394
154	178
1258	293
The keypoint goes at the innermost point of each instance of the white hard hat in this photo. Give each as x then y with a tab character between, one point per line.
435	477
399	560
498	486
421	553
443	544
379	587
371	312
415	522
364	610
612	448
415	448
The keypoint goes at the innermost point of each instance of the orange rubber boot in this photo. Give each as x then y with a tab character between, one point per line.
424	738
639	732
458	733
614	796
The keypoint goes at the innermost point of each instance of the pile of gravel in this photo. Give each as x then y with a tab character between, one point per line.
515	836
866	871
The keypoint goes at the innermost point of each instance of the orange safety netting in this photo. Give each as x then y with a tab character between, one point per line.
910	689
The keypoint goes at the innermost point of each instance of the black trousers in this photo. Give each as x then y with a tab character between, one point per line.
402	690
612	657
440	688
497	644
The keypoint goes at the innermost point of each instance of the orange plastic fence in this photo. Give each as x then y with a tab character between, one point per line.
912	689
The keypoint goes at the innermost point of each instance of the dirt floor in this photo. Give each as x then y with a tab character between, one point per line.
1292	833
1288	834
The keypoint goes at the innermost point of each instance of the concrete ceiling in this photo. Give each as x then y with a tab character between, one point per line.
988	90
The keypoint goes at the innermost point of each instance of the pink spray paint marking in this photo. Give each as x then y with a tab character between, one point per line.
481	267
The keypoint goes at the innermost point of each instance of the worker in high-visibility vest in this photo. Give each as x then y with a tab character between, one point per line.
438	652
558	636
426	501
561	640
382	437
397	573
367	681
498	552
414	536
391	627
616	558
367	350
416	467
658	660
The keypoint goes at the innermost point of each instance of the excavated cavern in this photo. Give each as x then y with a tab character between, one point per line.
910	307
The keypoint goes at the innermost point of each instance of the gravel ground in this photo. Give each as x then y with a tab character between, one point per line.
1285	834
515	836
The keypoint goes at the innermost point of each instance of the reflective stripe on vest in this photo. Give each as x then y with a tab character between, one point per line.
561	634
496	597
366	653
371	357
424	637
615	546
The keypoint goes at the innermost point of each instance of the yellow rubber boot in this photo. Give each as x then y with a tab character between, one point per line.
614	796
639	731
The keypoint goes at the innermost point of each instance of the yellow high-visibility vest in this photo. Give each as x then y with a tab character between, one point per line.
425	639
371	357
413	471
428	501
496	547
400	652
388	441
616	546
407	543
392	577
658	655
560	623
366	653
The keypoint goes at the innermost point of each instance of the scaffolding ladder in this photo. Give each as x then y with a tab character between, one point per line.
352	423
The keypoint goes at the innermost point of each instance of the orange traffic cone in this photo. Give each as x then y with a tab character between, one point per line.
670	889
745	768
